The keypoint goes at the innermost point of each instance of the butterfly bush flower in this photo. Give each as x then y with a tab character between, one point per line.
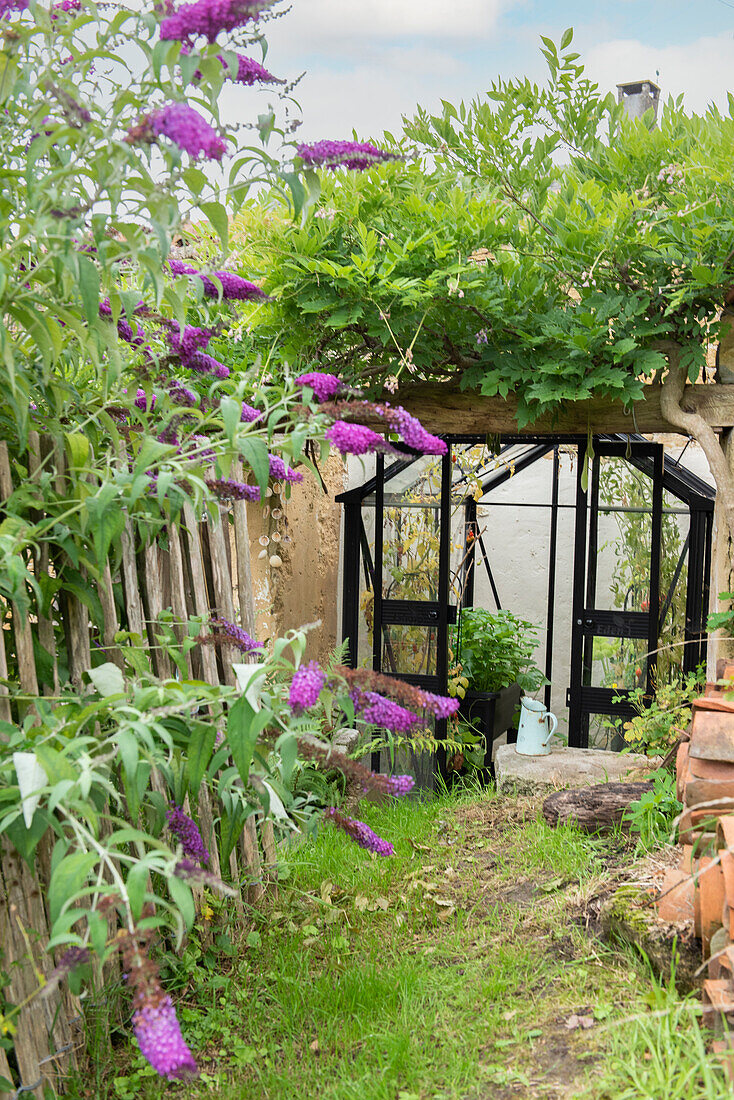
324	386
183	126
208	17
228	490
400	784
306	686
142	401
379	711
161	1043
180	395
249	414
353	770
226	633
250	71
356	439
188	346
364	679
283	472
356	155
155	1025
232	286
413	433
187	833
360	833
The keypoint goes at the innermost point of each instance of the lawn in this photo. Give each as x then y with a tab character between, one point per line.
461	968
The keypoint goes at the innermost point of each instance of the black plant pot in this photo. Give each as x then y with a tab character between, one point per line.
491	713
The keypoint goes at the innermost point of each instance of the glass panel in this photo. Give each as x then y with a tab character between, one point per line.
409	649
624	537
411	532
366	587
605	732
618	662
673	587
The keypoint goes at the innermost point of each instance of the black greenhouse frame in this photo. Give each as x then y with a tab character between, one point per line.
588	621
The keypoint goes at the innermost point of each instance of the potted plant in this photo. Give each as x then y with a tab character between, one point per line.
494	666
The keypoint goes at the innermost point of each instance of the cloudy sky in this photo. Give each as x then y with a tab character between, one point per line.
368	62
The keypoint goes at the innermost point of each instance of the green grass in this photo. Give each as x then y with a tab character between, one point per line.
447	972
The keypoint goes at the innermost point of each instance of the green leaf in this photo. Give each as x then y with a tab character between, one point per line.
198	754
136	885
231	411
77	448
98	932
107	679
567	38
244	726
67	880
255	452
218	219
89	288
182	897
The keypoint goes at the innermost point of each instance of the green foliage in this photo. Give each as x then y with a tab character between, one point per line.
660	720
496	649
652	817
722	620
544	244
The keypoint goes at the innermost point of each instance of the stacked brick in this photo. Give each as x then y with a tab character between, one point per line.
705	782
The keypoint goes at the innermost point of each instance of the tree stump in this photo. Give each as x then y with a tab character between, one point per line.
593	808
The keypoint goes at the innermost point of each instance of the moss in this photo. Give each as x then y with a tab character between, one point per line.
628	916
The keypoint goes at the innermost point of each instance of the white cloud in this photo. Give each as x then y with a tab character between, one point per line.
373	95
321	21
703	69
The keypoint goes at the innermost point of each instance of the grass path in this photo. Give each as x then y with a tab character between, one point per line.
459	969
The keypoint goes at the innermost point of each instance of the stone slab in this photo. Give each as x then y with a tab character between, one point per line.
563	767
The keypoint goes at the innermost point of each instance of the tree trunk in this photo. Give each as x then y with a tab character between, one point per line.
719	452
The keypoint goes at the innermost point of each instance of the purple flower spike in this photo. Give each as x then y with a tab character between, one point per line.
400	784
160	1040
141	401
356	155
249	414
208	17
184	126
356	439
227	633
232	286
360	833
180	395
187	833
414	434
226	489
324	386
250	71
6	6
379	711
441	705
279	469
306	685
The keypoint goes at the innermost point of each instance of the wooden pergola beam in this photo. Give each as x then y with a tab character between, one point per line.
446	411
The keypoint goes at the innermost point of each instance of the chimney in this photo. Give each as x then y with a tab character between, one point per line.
638	97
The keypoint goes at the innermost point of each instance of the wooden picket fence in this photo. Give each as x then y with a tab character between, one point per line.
200	568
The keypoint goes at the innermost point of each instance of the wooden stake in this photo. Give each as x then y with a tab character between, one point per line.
201	604
21	622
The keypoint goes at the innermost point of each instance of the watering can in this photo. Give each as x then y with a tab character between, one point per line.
537	726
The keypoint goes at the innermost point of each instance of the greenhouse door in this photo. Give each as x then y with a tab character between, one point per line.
616	602
396	611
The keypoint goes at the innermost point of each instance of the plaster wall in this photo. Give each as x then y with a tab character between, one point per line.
295	575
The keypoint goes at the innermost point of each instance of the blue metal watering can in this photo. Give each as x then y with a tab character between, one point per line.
537	726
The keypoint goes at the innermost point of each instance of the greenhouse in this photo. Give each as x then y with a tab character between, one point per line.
415	555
